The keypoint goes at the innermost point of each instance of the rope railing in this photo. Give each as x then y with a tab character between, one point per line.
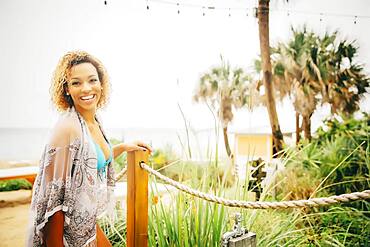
120	174
137	217
313	202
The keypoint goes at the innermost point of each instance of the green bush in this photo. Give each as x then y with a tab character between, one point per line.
15	184
121	161
345	141
336	161
162	157
339	154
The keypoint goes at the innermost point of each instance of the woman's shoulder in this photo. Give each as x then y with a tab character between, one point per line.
66	129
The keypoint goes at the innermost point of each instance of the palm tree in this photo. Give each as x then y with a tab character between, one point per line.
299	76
348	83
223	89
264	37
312	70
291	76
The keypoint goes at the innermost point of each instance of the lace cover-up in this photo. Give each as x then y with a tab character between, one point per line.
67	180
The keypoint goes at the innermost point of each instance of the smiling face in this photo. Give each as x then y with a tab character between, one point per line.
84	87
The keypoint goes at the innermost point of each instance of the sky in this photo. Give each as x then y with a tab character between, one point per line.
154	56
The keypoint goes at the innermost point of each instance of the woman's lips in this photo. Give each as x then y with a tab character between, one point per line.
88	98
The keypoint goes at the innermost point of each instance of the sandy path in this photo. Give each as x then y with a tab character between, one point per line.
14	215
14	212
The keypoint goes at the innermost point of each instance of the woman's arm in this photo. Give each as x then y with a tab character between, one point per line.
128	147
118	150
54	230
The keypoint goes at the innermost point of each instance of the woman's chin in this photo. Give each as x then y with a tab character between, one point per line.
86	107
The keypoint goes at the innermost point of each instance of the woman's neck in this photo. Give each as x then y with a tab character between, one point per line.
88	116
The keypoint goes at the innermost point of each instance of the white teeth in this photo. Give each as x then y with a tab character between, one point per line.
87	97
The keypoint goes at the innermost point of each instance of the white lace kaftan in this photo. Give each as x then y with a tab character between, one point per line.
68	181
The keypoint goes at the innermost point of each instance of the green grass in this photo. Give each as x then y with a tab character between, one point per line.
190	221
336	161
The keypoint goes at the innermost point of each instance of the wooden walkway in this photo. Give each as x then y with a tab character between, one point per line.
27	172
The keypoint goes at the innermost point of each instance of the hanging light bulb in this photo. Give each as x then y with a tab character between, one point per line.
355	21
178	9
255	12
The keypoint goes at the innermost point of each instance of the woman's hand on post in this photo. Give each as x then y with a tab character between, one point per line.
128	147
137	146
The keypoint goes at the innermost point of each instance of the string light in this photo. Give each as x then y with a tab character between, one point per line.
190	5
289	11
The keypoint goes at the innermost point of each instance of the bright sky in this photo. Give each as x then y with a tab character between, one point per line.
154	57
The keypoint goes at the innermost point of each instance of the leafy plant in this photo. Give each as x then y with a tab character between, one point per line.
323	167
15	184
115	231
121	161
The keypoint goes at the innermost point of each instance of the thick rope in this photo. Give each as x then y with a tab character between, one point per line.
121	174
314	202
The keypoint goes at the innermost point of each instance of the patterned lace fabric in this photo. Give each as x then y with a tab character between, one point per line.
67	180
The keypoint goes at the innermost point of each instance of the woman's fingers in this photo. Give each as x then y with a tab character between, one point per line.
138	146
144	146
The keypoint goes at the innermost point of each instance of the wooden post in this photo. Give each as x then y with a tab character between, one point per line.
137	200
297	129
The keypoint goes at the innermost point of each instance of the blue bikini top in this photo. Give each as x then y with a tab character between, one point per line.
101	162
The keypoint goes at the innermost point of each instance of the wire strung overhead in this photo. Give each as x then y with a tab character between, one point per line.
252	12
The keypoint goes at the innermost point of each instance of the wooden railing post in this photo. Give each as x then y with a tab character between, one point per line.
137	200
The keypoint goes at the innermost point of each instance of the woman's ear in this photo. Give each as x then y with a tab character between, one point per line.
67	95
66	90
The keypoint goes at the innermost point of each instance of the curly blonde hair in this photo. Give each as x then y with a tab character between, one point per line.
61	100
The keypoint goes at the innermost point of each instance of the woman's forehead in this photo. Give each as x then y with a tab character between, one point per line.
82	70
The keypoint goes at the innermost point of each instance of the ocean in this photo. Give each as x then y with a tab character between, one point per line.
27	144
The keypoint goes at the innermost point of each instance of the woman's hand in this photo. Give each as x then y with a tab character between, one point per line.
128	147
137	146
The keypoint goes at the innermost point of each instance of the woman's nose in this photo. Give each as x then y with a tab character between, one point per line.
86	86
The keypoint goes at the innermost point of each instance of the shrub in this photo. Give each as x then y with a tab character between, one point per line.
121	161
15	184
344	148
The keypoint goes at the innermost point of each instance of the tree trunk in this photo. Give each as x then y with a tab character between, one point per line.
263	27
226	140
297	129
306	126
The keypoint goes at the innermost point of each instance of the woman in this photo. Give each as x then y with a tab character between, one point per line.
75	182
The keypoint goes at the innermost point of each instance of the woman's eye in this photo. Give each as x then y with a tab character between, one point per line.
93	80
75	83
